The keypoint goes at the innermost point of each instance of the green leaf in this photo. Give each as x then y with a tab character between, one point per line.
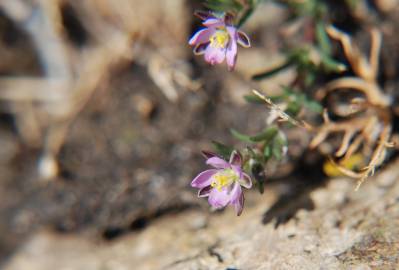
281	139
240	136
322	38
266	135
279	143
277	152
267	152
223	150
297	100
293	108
271	72
330	64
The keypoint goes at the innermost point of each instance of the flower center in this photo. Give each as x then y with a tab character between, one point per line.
219	39
224	178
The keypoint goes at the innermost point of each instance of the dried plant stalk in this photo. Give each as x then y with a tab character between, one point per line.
281	115
368	128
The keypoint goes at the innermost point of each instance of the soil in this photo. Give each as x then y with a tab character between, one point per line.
118	168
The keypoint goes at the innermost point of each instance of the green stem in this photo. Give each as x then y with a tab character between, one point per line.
248	12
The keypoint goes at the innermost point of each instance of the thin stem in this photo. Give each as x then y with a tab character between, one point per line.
250	8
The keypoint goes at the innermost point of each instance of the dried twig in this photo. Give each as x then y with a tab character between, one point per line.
369	124
282	116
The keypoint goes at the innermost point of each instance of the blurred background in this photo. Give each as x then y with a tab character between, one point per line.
103	114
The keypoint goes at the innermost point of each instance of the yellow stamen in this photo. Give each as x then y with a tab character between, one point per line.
223	179
219	39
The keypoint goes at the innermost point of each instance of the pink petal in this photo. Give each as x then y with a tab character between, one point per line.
245	181
214	55
203	179
232	32
235	158
235	193
231	52
243	39
214	22
239	204
238	170
218	163
219	199
202	36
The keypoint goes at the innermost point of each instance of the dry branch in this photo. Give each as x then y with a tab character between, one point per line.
367	128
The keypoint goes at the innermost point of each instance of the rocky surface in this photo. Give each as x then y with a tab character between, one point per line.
345	230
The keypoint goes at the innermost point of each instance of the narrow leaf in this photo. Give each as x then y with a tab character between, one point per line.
271	72
331	65
322	38
240	136
267	135
267	152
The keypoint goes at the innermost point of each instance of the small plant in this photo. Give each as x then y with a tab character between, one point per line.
361	113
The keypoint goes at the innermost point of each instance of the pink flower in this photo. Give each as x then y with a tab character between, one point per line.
218	40
222	185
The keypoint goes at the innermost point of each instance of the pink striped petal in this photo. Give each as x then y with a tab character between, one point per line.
235	158
215	55
235	192
243	39
238	170
214	22
237	199
245	181
218	163
231	52
203	179
219	199
202	36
